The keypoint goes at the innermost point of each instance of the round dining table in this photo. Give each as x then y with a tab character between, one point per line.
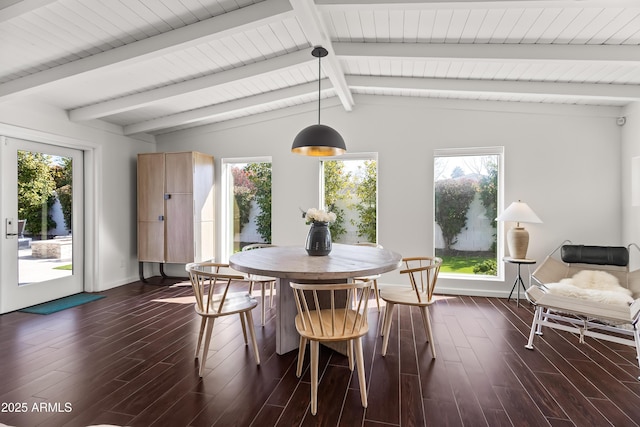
293	264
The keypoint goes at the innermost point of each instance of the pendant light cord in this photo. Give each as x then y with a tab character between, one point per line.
319	71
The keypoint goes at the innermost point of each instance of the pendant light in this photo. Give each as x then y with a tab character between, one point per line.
319	140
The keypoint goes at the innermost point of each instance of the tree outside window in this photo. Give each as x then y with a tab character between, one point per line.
251	188
350	191
43	179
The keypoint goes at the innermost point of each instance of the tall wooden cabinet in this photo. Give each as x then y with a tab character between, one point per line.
175	208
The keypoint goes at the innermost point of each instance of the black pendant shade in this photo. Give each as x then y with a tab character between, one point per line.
318	140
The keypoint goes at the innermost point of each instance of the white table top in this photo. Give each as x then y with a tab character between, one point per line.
519	260
293	262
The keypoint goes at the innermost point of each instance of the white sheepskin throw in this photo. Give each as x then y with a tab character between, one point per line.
594	279
592	285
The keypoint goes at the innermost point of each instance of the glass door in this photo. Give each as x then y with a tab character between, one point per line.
42	224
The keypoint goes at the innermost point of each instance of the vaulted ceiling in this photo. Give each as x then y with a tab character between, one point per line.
157	66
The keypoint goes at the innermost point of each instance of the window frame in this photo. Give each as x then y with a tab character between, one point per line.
500	244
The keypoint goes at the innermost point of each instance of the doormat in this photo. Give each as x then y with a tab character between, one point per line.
62	303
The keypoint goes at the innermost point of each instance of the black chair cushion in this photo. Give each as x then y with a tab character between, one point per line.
600	255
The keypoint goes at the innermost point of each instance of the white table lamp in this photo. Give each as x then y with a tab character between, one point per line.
518	237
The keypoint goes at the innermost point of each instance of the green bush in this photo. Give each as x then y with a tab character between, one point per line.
35	192
452	200
366	190
63	176
488	267
488	190
260	176
337	187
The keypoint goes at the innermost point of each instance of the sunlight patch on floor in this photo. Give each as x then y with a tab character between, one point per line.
178	300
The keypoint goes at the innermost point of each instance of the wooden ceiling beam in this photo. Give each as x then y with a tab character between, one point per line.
316	32
467	4
610	92
21	7
499	52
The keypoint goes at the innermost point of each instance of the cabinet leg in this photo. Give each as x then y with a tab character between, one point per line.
164	276
162	273
141	272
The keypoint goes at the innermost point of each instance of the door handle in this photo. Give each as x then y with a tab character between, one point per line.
11	228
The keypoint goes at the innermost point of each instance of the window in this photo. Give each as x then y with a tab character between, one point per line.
350	190
246	210
467	194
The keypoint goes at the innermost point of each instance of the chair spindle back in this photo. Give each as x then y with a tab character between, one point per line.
342	313
204	279
423	275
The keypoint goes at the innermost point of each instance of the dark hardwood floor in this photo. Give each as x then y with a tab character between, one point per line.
128	360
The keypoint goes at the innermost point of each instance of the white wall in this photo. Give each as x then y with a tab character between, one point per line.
111	220
630	150
58	217
564	161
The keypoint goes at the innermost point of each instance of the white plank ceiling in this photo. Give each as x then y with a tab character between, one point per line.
156	66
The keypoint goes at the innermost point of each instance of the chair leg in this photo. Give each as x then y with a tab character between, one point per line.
203	325
361	377
271	286
537	315
301	350
384	320
636	337
388	316
244	329
350	354
426	319
375	291
314	376
252	333
207	341
544	316
264	309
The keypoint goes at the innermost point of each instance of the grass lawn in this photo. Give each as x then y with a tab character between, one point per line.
461	264
64	267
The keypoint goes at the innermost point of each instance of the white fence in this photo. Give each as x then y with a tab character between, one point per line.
478	235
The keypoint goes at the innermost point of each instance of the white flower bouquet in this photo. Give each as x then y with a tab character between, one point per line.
318	215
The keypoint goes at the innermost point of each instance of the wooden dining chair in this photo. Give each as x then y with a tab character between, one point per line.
328	313
212	291
263	281
423	275
374	278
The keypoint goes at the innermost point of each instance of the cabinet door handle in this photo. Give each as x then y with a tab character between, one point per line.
161	218
167	196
